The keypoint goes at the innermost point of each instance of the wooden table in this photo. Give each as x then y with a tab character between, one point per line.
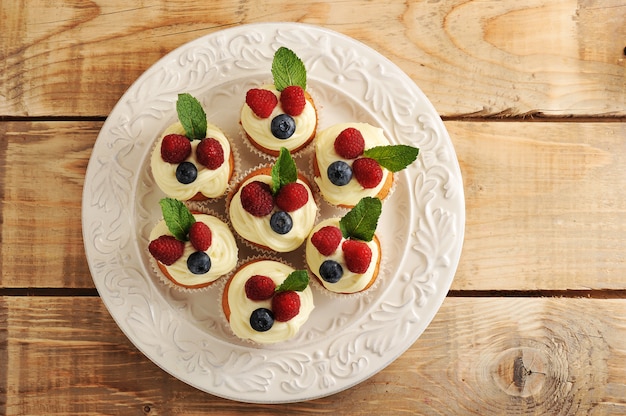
533	95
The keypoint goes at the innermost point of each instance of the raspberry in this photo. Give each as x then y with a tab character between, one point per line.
210	153
256	198
259	287
262	102
166	249
326	239
292	100
285	305
200	236
367	172
292	196
175	148
350	143
357	255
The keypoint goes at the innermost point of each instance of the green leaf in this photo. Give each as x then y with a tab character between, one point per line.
288	69
395	157
177	217
284	170
297	280
191	116
361	221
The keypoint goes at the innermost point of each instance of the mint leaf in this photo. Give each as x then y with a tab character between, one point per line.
191	116
361	221
284	170
177	217
288	69
297	280
395	157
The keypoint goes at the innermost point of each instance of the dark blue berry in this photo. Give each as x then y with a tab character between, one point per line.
339	173
281	222
199	262
261	319
186	172
331	271
283	126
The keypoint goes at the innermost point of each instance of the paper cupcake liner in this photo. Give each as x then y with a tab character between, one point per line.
259	247
193	206
295	153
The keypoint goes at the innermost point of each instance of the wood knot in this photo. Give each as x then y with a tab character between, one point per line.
520	372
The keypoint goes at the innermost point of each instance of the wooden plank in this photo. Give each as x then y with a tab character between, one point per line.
557	58
529	356
533	192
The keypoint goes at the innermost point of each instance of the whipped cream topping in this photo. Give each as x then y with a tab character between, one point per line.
351	193
258	230
211	183
259	129
350	282
241	307
223	252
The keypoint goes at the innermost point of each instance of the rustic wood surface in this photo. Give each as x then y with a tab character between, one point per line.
533	95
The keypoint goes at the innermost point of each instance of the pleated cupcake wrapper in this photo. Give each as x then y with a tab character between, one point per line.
257	246
222	287
296	154
197	207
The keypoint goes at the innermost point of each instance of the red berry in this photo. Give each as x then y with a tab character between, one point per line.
285	305
357	255
292	196
256	198
262	102
350	143
326	239
200	236
259	287
292	100
367	172
210	153
166	249
175	148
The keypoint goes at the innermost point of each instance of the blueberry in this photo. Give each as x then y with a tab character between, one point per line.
199	262
261	319
283	126
281	222
339	173
186	172
331	271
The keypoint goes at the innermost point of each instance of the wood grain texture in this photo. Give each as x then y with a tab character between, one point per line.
533	192
471	58
478	357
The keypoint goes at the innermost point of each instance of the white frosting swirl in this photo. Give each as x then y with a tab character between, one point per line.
351	193
211	183
350	282
258	230
260	130
223	252
241	307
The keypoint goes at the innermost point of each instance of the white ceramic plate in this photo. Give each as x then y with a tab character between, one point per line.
345	341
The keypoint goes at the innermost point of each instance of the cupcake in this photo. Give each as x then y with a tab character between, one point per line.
191	249
267	301
193	159
282	114
273	208
355	160
344	253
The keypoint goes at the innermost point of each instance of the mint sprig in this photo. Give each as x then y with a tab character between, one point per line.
297	281
191	116
288	69
177	217
393	157
284	171
361	221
